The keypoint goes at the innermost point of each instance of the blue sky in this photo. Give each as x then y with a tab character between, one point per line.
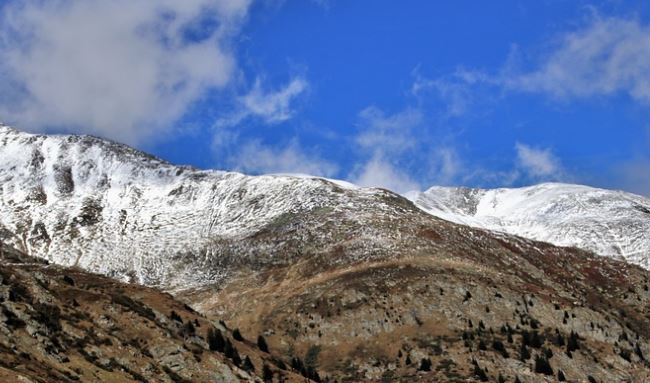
403	95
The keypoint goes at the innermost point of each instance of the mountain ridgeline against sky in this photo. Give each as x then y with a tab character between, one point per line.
350	283
609	223
83	201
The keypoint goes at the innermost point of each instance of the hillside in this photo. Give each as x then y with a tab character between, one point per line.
65	325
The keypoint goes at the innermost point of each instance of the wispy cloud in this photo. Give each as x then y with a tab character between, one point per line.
257	158
382	140
537	163
387	134
121	69
445	165
605	57
270	106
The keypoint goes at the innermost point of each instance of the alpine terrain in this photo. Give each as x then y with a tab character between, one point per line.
609	223
329	281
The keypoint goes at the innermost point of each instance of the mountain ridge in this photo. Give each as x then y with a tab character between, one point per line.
609	223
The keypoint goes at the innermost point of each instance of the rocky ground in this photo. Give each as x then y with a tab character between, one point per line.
66	325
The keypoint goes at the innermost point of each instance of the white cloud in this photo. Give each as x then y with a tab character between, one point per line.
270	106
538	163
396	151
378	172
383	140
254	157
607	56
445	165
388	134
121	69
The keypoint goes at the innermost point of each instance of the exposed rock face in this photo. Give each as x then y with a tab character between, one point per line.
609	223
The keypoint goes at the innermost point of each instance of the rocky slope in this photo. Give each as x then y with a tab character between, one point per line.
66	325
609	223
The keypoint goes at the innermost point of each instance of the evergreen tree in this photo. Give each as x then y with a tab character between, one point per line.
261	344
216	342
573	342
479	373
248	364
524	354
267	374
425	364
174	316
498	346
542	366
237	335
189	329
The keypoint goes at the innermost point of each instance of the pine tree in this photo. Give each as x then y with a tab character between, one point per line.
216	342
498	346
573	342
425	365
479	373
542	366
237	335
267	374
524	354
174	316
261	344
248	364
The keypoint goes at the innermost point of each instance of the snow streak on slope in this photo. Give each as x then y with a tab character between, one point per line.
105	207
610	223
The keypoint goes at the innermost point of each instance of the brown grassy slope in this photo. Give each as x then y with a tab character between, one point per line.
463	299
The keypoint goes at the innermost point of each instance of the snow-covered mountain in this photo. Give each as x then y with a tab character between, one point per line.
105	207
610	223
87	202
